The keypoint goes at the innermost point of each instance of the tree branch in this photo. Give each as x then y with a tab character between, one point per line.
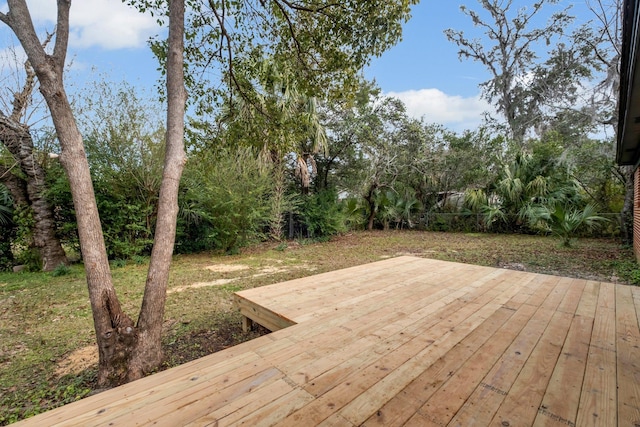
62	34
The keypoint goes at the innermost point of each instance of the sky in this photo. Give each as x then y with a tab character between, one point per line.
108	39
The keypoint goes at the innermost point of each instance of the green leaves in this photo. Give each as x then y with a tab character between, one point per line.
225	200
325	44
6	206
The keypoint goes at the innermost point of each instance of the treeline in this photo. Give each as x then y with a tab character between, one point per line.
300	169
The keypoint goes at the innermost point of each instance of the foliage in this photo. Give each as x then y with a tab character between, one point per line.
355	211
124	139
521	86
45	397
6	206
321	214
61	270
225	201
326	45
628	270
7	229
565	222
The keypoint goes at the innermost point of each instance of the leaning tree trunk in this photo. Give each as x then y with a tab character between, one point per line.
17	138
114	329
147	354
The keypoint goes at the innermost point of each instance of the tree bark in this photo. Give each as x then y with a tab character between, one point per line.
17	138
114	329
276	221
147	354
370	198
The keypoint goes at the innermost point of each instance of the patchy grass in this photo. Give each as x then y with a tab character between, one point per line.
46	330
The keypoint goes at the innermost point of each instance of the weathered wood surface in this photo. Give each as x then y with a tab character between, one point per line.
405	341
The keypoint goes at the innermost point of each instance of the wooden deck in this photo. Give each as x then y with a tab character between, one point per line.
405	341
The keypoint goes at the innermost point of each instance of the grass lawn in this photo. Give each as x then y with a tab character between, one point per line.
47	348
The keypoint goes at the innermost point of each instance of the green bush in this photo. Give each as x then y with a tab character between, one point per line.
225	201
322	215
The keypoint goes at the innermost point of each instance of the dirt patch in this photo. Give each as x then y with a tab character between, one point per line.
269	270
197	285
411	253
227	268
77	361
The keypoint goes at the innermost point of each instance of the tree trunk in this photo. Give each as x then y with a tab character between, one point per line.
17	138
276	222
114	329
147	354
370	198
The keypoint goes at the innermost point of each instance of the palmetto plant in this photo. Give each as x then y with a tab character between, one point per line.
565	222
6	206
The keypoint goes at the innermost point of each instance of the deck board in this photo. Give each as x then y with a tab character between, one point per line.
400	342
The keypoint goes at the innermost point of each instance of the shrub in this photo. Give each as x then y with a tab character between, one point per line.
225	202
322	215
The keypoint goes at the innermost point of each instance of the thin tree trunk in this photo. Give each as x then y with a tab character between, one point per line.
276	223
147	354
114	329
372	206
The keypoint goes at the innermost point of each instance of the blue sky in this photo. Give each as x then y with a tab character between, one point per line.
108	39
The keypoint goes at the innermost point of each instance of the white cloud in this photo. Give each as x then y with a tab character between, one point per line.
109	24
454	111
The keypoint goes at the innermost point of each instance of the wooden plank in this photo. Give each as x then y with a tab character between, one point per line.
560	402
316	296
422	326
371	404
521	404
325	282
374	318
190	405
628	358
154	404
561	399
261	315
598	403
573	296
370	401
422	351
484	402
322	300
106	403
276	410
240	407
